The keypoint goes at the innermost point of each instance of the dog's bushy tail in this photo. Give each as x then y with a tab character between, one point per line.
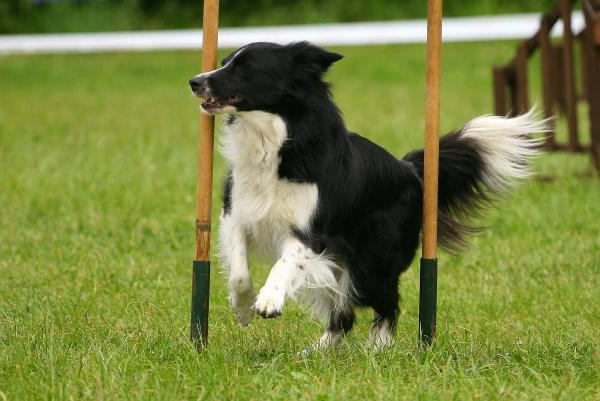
477	165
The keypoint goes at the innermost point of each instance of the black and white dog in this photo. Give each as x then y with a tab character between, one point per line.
340	215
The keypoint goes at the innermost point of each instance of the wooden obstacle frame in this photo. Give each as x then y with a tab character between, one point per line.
428	273
558	72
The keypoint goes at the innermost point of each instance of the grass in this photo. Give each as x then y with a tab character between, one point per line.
97	162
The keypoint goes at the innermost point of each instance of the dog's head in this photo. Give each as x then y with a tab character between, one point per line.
263	76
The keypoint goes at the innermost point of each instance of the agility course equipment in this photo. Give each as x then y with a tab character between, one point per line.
428	274
560	95
201	264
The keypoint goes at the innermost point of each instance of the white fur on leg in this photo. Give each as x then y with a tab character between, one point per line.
326	301
381	335
241	303
298	267
232	247
330	339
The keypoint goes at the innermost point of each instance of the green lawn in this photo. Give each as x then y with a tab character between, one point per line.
97	185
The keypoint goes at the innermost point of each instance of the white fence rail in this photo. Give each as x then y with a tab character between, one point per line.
500	27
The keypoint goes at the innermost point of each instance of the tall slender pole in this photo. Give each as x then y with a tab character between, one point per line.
201	265
428	276
565	9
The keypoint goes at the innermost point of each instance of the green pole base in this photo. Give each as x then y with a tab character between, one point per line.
200	292
427	301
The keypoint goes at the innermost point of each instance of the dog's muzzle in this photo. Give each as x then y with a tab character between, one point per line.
199	86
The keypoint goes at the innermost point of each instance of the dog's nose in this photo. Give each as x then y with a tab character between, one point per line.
197	82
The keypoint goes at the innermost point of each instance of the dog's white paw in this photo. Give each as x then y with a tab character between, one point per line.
381	335
380	344
329	339
269	302
241	303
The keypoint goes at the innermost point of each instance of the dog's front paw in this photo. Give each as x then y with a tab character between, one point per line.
241	303
269	302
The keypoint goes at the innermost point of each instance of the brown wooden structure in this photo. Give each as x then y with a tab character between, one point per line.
560	95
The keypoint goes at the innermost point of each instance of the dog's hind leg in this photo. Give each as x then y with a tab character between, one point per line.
298	267
386	309
340	322
232	249
382	331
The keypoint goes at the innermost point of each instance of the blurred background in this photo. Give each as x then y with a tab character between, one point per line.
39	16
98	156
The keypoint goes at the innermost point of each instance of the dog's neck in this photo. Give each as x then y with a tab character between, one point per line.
253	139
279	144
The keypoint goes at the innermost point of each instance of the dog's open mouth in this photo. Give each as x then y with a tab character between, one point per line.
212	103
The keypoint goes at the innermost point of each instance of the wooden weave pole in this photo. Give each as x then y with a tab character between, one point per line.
565	9
428	276
201	265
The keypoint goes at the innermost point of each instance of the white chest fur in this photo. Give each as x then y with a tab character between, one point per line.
265	206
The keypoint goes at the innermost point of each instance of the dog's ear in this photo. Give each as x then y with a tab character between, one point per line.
306	53
328	58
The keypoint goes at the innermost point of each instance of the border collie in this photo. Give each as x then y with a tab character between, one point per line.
340	215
